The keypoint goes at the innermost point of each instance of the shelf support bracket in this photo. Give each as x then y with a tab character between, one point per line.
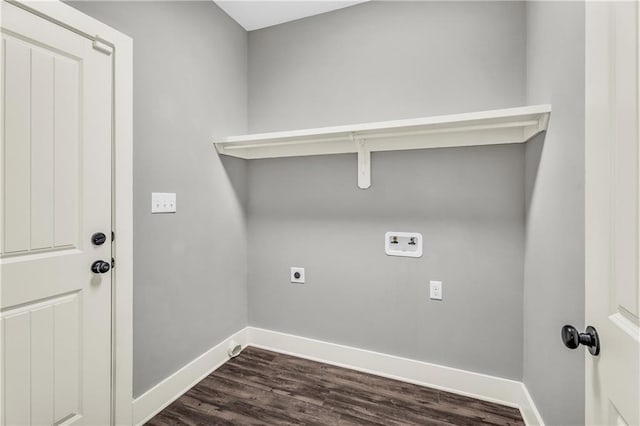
364	164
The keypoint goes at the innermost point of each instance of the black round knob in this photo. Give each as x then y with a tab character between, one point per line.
98	238
296	275
572	338
100	267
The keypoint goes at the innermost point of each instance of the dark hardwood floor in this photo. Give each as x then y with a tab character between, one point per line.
267	388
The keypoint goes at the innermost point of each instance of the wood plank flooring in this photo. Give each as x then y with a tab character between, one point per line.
266	388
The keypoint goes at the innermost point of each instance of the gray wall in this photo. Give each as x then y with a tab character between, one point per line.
386	60
554	253
190	74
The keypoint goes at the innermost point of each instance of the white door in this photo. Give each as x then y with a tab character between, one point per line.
612	208
55	186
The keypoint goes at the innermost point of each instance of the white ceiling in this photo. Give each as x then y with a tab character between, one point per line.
253	15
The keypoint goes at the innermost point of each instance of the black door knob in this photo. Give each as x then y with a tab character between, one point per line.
98	238
100	267
572	338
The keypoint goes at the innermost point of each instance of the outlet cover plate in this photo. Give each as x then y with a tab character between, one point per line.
299	278
435	290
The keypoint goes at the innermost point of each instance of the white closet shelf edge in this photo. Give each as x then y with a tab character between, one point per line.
503	126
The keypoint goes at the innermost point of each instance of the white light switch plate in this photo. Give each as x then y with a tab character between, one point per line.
435	290
163	202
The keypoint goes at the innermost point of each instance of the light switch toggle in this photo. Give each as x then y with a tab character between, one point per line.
408	244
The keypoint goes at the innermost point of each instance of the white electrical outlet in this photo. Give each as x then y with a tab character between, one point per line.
435	290
297	275
163	202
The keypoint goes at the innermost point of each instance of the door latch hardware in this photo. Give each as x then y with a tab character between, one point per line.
100	267
98	239
572	338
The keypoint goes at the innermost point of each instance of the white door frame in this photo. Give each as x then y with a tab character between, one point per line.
122	196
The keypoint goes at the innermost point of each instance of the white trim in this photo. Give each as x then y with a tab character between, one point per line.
480	386
123	228
164	393
529	411
122	321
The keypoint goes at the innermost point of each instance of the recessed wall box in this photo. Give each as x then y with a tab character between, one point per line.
408	244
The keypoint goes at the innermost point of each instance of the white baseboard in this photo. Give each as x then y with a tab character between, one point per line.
529	411
476	385
164	393
481	386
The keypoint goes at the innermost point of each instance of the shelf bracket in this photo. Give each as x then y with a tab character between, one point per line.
364	164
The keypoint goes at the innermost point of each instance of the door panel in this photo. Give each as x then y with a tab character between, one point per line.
67	120
55	192
612	220
42	351
16	355
41	179
67	351
625	170
16	151
42	375
42	140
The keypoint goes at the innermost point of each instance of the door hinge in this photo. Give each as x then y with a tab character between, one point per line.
113	236
113	263
102	45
